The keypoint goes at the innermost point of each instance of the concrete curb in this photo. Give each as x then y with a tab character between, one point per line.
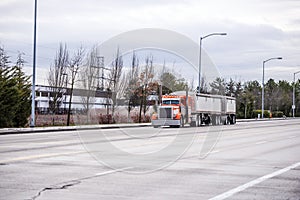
265	119
7	131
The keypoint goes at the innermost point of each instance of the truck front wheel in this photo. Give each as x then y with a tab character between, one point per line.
182	122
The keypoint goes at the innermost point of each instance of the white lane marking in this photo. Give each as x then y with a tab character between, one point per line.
41	156
261	142
112	171
292	136
216	151
254	182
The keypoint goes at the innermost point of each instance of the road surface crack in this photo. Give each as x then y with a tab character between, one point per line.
56	187
67	184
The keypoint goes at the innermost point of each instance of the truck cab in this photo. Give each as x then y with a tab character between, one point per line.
170	112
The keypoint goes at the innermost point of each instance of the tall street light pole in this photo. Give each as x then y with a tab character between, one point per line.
263	86
294	104
200	51
32	120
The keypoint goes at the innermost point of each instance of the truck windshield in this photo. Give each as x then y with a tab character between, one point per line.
170	102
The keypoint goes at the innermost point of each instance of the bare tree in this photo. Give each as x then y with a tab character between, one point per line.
203	85
132	79
88	82
114	79
56	78
146	81
73	68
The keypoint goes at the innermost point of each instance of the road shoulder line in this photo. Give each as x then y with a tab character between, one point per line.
254	182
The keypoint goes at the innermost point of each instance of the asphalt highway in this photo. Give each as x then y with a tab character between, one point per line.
249	160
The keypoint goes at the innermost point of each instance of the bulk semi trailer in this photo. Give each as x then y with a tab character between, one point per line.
180	108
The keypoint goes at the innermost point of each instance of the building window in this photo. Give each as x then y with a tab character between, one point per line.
44	94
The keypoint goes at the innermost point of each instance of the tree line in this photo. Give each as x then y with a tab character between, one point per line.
143	79
278	96
131	87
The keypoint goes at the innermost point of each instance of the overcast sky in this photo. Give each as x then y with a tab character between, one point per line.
257	30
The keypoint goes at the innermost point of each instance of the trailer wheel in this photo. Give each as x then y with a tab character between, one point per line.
219	120
155	126
214	120
225	121
193	123
198	120
207	120
233	119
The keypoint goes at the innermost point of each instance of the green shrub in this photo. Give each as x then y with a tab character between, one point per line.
240	115
266	113
277	114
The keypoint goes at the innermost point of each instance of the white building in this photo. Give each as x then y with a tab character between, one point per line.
98	99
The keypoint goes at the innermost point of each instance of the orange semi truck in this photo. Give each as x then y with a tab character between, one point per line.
180	108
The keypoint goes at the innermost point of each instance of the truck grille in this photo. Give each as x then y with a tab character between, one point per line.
165	113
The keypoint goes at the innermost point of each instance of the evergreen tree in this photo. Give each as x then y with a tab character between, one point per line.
230	87
23	87
8	97
271	94
6	91
297	98
218	86
171	83
14	94
284	98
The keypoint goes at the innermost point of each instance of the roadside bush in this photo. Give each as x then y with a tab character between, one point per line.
240	115
105	119
266	113
135	118
277	114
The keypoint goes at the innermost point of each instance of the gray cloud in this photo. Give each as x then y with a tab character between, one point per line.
253	35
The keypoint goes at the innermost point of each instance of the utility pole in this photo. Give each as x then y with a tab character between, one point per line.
32	120
100	66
